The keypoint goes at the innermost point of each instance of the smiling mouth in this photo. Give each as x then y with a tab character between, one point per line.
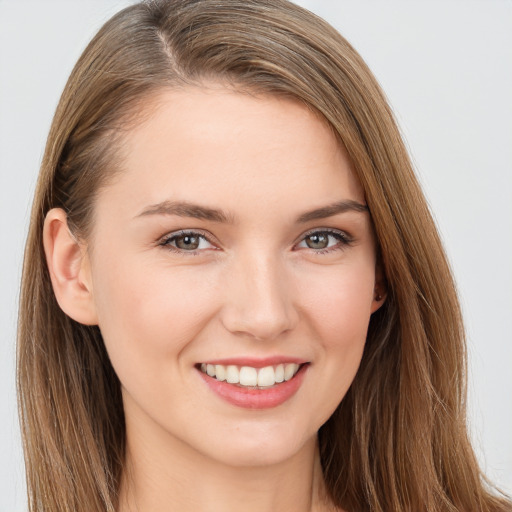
250	377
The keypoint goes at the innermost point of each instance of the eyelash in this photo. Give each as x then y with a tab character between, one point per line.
344	240
166	241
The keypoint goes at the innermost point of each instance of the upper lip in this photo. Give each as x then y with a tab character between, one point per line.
256	362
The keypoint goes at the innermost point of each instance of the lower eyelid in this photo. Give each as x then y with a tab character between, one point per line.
166	241
342	238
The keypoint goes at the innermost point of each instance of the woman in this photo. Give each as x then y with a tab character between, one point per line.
250	301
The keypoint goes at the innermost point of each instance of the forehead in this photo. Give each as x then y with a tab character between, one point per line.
223	146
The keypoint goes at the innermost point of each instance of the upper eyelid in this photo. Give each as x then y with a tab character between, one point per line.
163	241
212	240
183	232
324	230
335	231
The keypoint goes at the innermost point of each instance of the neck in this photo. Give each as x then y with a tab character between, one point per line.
172	477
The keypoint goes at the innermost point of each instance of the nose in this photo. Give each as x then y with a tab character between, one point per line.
258	299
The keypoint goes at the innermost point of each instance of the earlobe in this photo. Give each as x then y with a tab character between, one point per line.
378	299
380	289
68	265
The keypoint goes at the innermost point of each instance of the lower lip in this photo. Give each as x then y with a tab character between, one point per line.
251	398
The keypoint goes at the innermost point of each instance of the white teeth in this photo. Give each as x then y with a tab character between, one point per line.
290	370
232	374
266	376
249	376
220	372
280	373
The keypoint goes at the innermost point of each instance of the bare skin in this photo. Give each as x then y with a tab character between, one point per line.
296	484
280	269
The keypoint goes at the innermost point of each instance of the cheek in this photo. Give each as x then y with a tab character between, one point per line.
339	311
338	302
146	315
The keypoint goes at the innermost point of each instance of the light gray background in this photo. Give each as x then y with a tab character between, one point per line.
446	67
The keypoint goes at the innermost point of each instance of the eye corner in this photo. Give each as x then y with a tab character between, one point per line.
192	248
343	240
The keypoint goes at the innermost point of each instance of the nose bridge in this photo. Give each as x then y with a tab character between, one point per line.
258	301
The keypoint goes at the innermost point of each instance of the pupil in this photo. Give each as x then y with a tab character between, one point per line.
188	242
317	241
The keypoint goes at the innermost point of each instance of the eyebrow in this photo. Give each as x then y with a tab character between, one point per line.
332	209
186	209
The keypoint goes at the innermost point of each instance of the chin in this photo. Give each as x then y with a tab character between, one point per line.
243	449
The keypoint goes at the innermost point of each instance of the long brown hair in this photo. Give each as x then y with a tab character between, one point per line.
398	440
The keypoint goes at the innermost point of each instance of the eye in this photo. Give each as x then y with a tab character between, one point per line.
325	241
186	241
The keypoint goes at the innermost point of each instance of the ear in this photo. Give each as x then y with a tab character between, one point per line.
380	289
69	269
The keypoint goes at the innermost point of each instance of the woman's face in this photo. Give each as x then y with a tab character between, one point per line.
236	236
